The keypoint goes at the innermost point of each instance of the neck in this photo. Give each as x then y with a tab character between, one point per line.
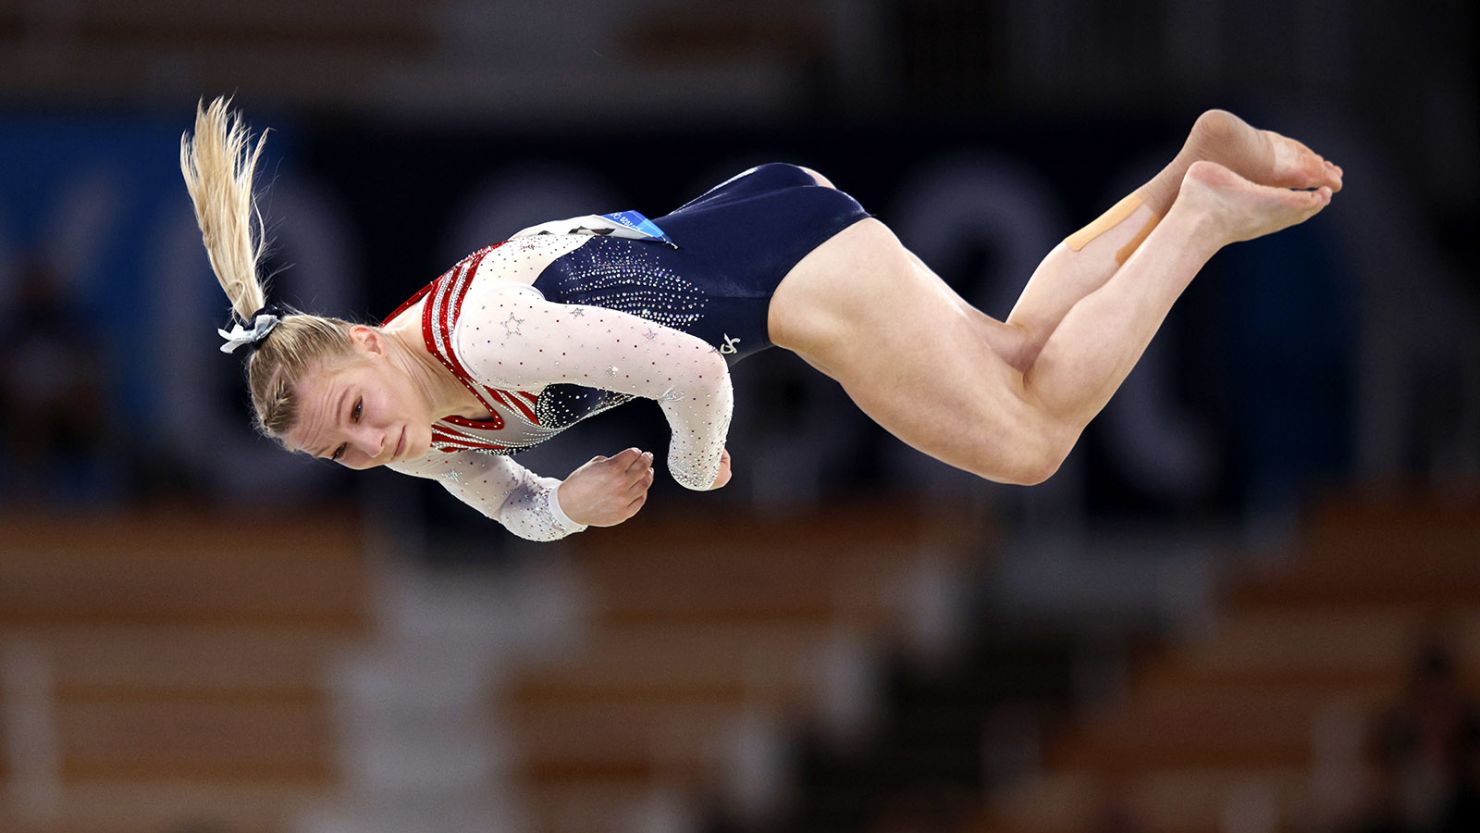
446	394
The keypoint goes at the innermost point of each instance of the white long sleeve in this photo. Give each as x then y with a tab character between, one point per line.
508	336
527	504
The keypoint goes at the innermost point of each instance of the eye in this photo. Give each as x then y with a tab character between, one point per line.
338	452
359	406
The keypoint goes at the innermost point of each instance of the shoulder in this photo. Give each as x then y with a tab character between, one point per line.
522	259
486	269
495	329
489	304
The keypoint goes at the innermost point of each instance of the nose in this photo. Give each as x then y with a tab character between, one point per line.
371	443
376	445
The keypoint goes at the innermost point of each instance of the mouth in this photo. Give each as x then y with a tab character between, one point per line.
400	444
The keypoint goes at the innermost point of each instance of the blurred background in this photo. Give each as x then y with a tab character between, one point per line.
1248	603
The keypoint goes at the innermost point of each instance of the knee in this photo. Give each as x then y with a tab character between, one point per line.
1033	470
1037	457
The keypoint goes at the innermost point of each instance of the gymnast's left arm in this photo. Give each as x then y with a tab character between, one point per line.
527	504
514	338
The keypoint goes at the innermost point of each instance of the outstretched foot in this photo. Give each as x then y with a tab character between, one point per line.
1238	209
1260	156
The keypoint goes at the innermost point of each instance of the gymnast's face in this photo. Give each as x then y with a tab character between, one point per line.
364	410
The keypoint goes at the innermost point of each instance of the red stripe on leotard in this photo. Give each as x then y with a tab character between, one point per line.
445	296
439	324
453	313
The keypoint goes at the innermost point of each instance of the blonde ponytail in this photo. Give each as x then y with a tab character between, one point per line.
218	162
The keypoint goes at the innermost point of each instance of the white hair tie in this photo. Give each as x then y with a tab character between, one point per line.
263	322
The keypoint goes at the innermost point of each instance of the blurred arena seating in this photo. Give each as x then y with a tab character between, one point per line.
942	732
167	671
297	46
155	679
1265	723
445	56
709	639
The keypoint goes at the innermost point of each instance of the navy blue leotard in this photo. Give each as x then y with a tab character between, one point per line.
734	245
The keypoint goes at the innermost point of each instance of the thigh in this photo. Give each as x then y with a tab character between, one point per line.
911	353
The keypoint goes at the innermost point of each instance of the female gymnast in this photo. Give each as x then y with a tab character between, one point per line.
566	319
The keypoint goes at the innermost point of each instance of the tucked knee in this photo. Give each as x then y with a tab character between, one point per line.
1033	470
1038	455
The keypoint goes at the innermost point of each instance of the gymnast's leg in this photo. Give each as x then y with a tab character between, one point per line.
1082	263
1099	340
929	368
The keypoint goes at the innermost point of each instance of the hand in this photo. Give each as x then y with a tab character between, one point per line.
724	471
608	490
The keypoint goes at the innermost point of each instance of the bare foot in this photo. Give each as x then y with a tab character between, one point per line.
1297	166
1260	156
1242	210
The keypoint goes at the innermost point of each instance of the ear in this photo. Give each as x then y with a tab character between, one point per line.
368	340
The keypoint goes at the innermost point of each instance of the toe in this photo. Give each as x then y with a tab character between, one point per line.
1311	171
1320	198
1332	178
1297	166
1315	170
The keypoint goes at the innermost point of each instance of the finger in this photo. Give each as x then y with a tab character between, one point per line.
640	462
636	504
619	460
640	485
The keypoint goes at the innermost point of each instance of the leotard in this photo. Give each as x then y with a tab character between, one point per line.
570	318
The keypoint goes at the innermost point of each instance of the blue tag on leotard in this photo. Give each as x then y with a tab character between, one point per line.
638	223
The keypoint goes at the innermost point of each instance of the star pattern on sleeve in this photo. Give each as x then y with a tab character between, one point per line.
498	488
614	351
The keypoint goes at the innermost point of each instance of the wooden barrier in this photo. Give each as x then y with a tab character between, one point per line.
1227	724
699	625
184	682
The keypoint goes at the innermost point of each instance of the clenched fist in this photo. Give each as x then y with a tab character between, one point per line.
607	490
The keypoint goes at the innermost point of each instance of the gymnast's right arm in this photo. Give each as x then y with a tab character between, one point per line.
603	492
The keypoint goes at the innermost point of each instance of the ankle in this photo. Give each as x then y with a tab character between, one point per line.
1199	223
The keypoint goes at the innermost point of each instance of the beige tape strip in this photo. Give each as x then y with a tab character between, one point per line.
1135	242
1103	223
